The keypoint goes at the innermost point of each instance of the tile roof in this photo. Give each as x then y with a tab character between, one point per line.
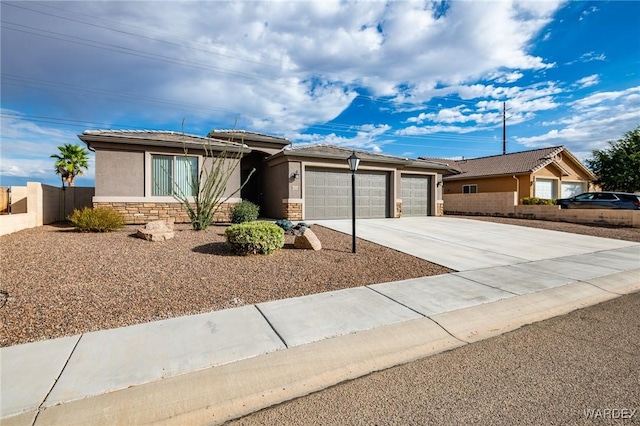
449	162
245	134
160	135
516	163
337	152
157	138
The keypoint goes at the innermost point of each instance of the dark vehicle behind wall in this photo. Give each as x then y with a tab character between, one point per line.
601	200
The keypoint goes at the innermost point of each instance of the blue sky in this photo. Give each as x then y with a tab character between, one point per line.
402	78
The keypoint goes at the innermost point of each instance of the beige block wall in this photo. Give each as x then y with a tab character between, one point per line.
488	203
625	218
10	223
44	204
18	199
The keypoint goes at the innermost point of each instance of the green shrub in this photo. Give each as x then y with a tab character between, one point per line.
100	219
284	224
246	211
534	201
255	237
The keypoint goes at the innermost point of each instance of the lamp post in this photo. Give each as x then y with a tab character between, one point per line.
354	162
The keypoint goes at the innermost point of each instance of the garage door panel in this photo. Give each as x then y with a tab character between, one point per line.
328	194
415	195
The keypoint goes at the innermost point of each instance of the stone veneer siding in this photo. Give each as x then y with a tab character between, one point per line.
439	208
292	211
140	213
398	209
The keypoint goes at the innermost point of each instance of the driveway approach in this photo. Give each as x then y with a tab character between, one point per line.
208	368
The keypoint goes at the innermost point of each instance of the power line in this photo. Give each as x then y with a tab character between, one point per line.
92	24
198	65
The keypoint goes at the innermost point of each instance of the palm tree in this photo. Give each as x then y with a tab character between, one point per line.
70	162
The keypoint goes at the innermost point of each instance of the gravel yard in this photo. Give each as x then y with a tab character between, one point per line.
59	282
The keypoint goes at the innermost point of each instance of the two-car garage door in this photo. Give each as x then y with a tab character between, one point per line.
328	194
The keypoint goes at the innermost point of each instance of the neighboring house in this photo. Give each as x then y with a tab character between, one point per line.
548	173
135	172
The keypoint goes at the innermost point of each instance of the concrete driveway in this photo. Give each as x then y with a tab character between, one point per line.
465	244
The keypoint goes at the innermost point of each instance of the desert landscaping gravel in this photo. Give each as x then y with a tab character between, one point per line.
61	282
57	282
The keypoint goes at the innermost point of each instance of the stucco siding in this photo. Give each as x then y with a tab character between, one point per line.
226	165
119	173
276	189
492	184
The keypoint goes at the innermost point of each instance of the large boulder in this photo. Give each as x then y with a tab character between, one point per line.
157	230
307	240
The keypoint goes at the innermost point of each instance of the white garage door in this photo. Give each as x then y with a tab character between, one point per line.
569	189
415	195
328	194
545	188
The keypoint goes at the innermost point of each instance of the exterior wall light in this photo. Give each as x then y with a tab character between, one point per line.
295	175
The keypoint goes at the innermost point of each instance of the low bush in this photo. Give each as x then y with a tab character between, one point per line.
255	238
100	219
246	211
534	201
284	224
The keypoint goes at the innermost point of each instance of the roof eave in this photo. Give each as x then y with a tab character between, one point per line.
211	144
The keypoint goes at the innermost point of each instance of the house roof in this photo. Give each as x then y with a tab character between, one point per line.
449	162
339	153
517	163
242	135
160	138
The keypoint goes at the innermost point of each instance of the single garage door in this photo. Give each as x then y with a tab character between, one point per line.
544	188
569	189
328	194
415	195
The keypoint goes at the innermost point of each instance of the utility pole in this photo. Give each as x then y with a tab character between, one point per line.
504	128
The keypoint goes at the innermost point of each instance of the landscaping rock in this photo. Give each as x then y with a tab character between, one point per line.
157	230
307	240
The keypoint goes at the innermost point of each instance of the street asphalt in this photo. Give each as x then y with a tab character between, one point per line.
213	367
582	368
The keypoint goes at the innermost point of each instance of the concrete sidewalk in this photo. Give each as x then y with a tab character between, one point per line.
212	367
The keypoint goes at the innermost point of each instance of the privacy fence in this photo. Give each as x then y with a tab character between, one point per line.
37	204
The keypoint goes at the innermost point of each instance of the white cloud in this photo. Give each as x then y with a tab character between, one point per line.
508	77
27	146
365	138
589	57
593	120
264	61
427	130
588	81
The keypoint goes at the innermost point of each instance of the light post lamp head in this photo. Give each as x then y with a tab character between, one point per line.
354	162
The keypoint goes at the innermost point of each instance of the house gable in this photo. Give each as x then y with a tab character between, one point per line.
523	172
